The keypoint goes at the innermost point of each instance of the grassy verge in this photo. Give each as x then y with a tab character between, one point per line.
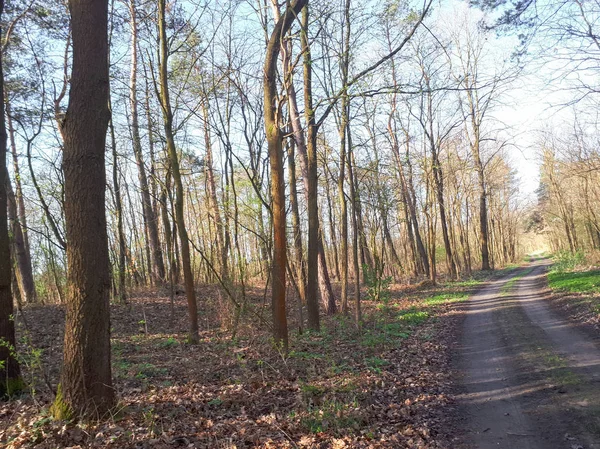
577	293
575	282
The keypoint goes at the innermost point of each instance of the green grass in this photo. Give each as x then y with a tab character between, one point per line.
466	283
509	285
576	282
448	297
413	317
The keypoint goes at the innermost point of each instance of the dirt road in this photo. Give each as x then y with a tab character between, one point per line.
529	378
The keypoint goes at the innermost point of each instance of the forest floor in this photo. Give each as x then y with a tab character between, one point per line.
428	369
387	385
529	372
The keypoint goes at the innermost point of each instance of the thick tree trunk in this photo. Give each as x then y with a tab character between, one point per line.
184	243
431	224
86	384
365	252
418	268
10	374
166	222
410	191
307	150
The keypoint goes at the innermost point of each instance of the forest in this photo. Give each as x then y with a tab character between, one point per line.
284	224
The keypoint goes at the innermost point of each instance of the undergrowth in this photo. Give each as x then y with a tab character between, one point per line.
575	282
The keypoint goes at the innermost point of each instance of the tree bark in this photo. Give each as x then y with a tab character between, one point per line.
355	240
332	233
483	219
86	384
297	231
275	148
18	187
184	243
10	373
121	293
21	255
344	124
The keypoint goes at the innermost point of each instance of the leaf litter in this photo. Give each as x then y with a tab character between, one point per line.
387	385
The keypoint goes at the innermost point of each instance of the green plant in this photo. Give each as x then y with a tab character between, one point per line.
59	409
333	415
311	394
582	282
378	285
472	282
375	364
215	402
168	343
146	370
150	420
397	329
340	368
567	261
448	297
28	357
413	316
373	339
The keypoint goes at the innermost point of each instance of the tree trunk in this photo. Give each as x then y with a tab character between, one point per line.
332	233
275	148
365	253
483	220
21	255
121	290
212	194
86	384
355	240
156	257
411	196
439	191
327	298
10	373
310	178
297	232
18	187
344	124
184	243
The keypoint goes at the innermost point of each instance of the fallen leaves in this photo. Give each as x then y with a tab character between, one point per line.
385	386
